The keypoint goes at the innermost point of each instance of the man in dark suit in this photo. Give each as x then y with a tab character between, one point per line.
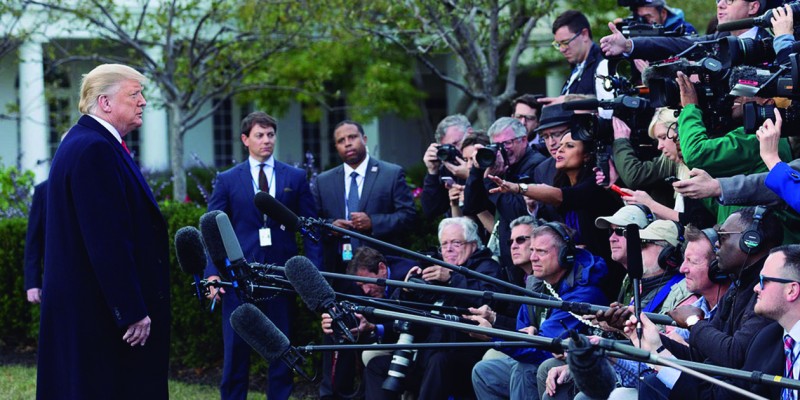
105	297
262	241
34	244
365	195
382	207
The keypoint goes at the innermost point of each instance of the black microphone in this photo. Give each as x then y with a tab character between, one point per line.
282	214
265	338
319	296
213	240
635	269
191	253
590	368
764	21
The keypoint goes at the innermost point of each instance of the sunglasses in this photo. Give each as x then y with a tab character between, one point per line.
518	240
762	279
616	231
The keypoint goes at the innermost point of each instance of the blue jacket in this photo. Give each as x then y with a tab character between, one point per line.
579	285
675	20
785	181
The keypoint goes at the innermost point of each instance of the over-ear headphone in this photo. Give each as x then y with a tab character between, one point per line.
647	213
671	257
566	256
750	242
714	273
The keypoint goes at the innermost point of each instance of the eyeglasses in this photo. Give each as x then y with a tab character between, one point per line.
455	244
519	240
509	142
558	45
554	135
762	279
528	118
729	2
616	231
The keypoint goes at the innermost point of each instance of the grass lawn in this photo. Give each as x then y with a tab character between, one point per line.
18	382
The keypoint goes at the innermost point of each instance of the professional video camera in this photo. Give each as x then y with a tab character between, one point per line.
755	115
636	26
783	82
634	110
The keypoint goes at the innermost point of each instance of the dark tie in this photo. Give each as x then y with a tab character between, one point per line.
788	350
263	185
352	203
125	146
352	196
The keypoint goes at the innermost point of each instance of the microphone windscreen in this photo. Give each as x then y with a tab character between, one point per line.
212	238
229	240
276	210
190	250
590	369
634	244
586	104
745	23
259	332
309	283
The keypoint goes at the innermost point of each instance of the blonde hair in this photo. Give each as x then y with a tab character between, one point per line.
663	116
105	80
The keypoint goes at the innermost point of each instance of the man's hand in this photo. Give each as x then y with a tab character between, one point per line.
641	65
621	129
344	224
137	332
682	313
431	161
481	322
549	101
326	324
361	221
34	295
615	43
688	93
530	330
615	316
214	291
484	312
436	273
699	186
651	339
769	135
556	377
782	21
459	169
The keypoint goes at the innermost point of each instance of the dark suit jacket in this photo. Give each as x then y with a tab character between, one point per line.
234	193
764	354
34	238
107	264
585	84
385	197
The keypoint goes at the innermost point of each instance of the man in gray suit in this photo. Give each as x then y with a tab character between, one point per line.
370	197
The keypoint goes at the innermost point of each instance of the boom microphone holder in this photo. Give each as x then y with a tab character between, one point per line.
614	348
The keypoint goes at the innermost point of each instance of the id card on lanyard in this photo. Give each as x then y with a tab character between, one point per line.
265	233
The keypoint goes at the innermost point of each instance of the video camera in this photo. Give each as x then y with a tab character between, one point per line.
755	115
636	26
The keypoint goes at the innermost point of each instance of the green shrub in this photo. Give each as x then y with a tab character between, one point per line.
19	323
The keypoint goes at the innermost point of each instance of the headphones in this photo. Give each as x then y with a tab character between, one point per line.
671	257
649	214
750	242
566	256
714	273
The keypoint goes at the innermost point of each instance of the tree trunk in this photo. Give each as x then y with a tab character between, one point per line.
486	113
176	150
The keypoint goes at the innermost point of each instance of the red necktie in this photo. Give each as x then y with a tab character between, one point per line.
125	146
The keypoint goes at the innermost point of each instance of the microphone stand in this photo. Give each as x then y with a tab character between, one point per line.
614	348
576	307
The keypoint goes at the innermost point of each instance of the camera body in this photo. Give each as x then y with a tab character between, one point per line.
486	157
448	153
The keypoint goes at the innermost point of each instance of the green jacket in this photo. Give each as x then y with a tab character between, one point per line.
728	155
644	175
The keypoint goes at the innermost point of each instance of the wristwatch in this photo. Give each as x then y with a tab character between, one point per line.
692	320
523	187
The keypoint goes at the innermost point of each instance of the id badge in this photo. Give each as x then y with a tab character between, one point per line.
265	237
347	251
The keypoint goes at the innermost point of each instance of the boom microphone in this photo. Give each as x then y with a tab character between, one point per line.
213	240
764	21
191	253
282	214
265	338
590	368
635	268
318	295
